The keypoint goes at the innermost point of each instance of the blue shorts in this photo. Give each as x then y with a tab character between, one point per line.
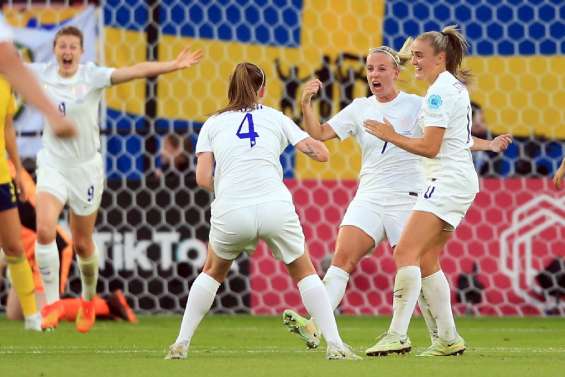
8	196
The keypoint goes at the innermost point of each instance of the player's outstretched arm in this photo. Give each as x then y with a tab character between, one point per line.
559	174
310	122
24	82
185	59
498	144
205	171
314	149
427	146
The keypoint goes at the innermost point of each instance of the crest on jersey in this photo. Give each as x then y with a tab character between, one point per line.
434	101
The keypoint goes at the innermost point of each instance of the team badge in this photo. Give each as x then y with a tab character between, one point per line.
434	101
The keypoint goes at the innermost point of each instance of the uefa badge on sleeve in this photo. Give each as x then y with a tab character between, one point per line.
434	101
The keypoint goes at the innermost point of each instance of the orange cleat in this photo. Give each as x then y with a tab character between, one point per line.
86	316
51	314
120	308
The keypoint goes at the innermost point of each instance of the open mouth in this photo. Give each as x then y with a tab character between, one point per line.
67	62
377	85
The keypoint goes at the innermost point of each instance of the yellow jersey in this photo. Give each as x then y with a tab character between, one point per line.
7	109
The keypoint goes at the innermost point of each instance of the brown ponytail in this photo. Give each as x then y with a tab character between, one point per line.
245	82
453	43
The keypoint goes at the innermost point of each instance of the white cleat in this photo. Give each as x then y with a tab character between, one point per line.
344	352
177	351
33	322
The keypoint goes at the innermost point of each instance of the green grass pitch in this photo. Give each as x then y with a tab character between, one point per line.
234	346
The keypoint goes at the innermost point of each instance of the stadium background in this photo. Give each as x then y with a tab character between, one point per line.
507	258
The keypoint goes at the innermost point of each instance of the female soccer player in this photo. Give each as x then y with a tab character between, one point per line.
452	186
238	153
10	241
72	171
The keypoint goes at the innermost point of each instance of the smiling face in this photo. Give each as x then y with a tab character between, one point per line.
382	72
68	51
427	64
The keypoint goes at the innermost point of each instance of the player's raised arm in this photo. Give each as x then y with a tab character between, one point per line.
310	121
185	59
24	82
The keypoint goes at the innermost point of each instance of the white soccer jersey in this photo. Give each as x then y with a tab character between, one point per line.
247	148
447	105
77	98
384	167
5	30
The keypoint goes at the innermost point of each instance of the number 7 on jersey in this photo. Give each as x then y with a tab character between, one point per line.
250	134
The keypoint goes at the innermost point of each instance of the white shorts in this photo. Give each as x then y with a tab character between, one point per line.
446	204
377	220
239	230
78	184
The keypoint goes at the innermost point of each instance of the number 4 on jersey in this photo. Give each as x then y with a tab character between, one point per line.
250	134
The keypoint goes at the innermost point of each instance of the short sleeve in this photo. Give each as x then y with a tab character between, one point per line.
37	69
99	77
436	109
204	144
293	133
344	123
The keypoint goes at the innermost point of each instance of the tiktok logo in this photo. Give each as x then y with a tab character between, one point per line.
62	108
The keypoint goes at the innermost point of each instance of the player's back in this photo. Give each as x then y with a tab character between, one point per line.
247	146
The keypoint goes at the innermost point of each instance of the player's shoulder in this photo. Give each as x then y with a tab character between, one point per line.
90	68
263	109
42	68
362	101
409	99
271	114
446	83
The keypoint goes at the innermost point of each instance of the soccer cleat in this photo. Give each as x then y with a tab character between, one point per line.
51	314
389	343
344	352
86	316
304	328
442	348
33	322
120	308
177	351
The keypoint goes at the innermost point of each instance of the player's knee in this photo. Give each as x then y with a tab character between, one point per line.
45	233
344	260
13	249
406	257
83	245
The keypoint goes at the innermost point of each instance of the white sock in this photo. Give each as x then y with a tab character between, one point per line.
427	314
88	268
315	300
436	289
47	257
407	285
336	282
199	302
